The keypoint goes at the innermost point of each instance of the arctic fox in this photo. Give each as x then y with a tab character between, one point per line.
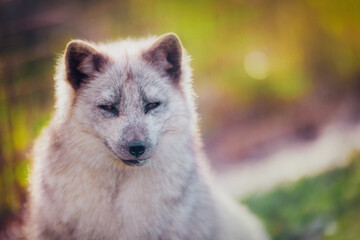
122	157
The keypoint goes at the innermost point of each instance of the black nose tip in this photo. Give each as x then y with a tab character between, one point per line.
136	148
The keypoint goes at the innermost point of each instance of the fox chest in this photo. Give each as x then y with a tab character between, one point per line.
133	210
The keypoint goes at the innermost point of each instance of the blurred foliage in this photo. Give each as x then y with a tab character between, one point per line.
322	207
309	46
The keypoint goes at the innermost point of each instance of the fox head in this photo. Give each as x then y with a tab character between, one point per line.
130	95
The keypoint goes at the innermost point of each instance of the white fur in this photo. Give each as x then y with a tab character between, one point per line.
81	190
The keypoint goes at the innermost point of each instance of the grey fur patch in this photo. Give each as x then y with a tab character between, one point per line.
50	234
48	192
55	142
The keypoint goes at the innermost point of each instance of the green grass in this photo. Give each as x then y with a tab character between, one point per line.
326	206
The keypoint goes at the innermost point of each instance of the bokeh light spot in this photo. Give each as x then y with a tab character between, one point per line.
256	65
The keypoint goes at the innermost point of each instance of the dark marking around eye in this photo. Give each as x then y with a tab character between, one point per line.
109	108
151	106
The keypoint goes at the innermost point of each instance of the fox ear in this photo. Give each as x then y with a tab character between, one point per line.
82	61
166	54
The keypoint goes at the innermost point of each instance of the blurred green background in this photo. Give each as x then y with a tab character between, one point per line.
326	206
253	61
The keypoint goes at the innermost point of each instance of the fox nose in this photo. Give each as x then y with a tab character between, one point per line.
136	148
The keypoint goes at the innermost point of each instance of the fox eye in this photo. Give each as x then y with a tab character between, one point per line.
151	106
108	108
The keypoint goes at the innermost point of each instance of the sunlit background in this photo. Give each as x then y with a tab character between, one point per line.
278	84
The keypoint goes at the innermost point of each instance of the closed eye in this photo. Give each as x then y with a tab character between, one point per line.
151	106
109	108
